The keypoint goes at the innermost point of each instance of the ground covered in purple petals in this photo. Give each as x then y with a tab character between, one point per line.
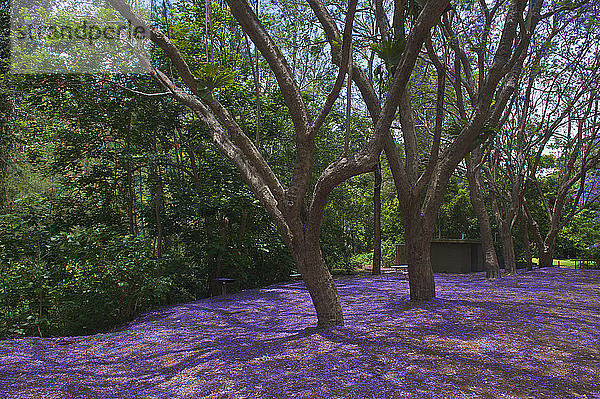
536	335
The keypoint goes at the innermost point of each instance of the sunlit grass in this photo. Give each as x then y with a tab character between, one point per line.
565	263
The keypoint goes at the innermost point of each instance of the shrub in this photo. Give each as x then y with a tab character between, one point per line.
92	280
388	255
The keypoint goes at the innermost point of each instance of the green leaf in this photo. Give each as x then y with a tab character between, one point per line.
390	51
210	77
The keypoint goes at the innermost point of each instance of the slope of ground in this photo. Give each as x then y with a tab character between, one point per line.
532	336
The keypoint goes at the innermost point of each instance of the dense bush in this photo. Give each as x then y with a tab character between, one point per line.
388	255
89	280
61	280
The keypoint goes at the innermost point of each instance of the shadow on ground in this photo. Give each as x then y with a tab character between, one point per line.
530	336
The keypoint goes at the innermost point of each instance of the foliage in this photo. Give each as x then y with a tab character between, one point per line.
84	200
112	203
580	238
390	52
388	255
487	132
210	77
90	280
456	218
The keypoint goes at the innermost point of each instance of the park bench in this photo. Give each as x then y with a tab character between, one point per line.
400	268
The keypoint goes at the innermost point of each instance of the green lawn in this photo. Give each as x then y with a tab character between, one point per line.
566	263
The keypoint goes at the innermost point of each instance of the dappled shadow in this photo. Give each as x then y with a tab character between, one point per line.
533	335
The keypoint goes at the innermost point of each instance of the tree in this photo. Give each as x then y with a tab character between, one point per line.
5	100
518	136
474	162
298	222
377	221
555	110
422	160
575	183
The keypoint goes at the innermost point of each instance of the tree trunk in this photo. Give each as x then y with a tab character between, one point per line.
490	259
377	221
418	249
535	230
546	257
141	214
6	126
547	250
508	248
130	189
130	201
215	289
3	176
319	282
159	232
525	230
158	195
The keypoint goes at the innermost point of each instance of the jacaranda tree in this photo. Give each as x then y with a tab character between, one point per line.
297	214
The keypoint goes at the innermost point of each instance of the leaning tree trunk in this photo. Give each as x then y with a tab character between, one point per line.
508	248
418	256
318	280
490	259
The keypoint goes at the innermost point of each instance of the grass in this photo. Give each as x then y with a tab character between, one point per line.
566	263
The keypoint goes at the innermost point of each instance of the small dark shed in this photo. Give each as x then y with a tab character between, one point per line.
450	256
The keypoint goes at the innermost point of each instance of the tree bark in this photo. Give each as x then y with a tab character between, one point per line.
130	189
418	256
377	221
6	124
546	252
490	259
546	257
215	289
285	206
508	248
3	174
130	201
158	194
319	282
525	232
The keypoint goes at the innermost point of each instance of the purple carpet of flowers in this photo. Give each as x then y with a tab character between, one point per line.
536	335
